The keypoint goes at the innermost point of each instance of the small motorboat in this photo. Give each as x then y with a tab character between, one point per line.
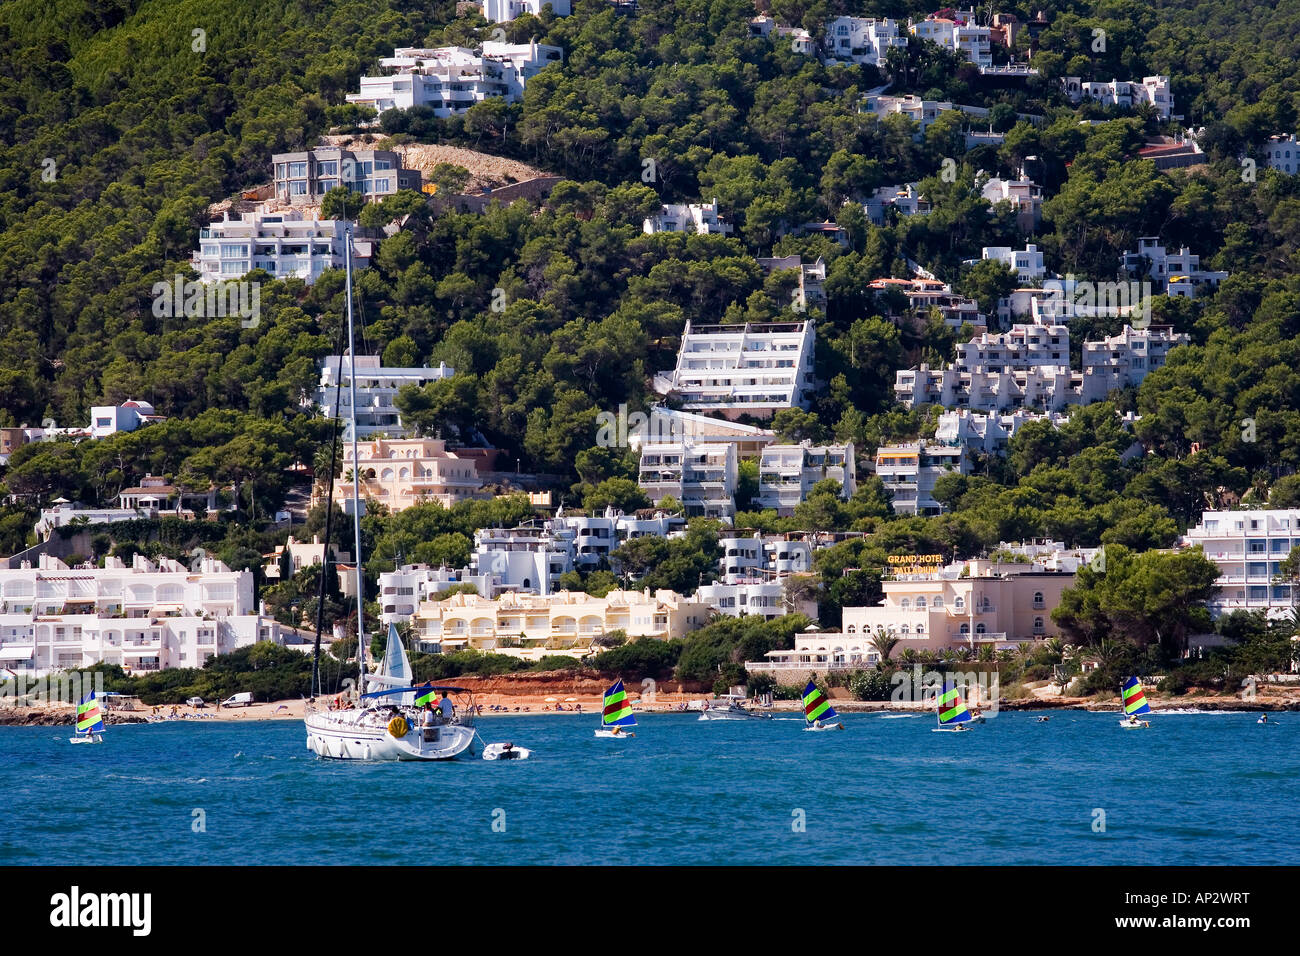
728	707
506	751
1042	720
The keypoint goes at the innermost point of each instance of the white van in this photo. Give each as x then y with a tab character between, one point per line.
238	700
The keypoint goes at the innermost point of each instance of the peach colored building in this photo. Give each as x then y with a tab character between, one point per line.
567	622
933	607
402	472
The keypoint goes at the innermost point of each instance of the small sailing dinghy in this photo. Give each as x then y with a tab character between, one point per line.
1135	703
617	713
817	710
90	721
952	713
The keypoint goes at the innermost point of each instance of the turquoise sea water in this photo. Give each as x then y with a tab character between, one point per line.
1193	789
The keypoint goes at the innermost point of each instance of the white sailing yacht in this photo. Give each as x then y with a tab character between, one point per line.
386	723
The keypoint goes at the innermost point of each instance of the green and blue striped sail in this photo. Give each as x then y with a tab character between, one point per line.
952	709
618	709
815	705
1135	702
90	716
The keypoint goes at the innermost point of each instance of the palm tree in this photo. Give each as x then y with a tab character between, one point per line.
884	642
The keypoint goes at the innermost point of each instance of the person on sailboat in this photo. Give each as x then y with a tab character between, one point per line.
447	708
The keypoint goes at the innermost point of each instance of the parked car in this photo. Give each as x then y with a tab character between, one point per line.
195	702
238	700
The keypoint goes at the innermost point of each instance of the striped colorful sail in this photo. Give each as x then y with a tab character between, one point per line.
618	709
423	696
815	705
952	709
1135	702
90	716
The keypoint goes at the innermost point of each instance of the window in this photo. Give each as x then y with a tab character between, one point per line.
965	629
1038	625
959	604
980	628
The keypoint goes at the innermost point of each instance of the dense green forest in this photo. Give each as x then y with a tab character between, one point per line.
121	125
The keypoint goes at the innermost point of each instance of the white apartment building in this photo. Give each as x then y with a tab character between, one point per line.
757	556
377	386
788	473
528	558
1029	367
146	616
1248	548
403	472
452	79
801	40
701	475
910	470
962	37
402	591
699	218
1174	273
532	626
904	199
987	433
503	11
1023	195
669	425
1283	154
283	243
1026	263
755	368
1153	90
753	597
1124	359
862	39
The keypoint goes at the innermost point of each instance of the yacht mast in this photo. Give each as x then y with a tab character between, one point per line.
356	466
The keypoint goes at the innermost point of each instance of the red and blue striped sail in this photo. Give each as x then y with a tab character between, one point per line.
1135	702
618	709
952	709
815	705
90	716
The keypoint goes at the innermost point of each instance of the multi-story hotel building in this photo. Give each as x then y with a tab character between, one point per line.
701	475
1248	548
532	626
402	591
934	607
751	369
304	177
909	471
146	616
377	385
452	79
284	244
402	472
1028	367
787	473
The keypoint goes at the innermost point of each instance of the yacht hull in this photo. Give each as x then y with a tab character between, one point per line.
336	735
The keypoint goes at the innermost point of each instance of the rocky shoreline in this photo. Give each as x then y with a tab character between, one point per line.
38	716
